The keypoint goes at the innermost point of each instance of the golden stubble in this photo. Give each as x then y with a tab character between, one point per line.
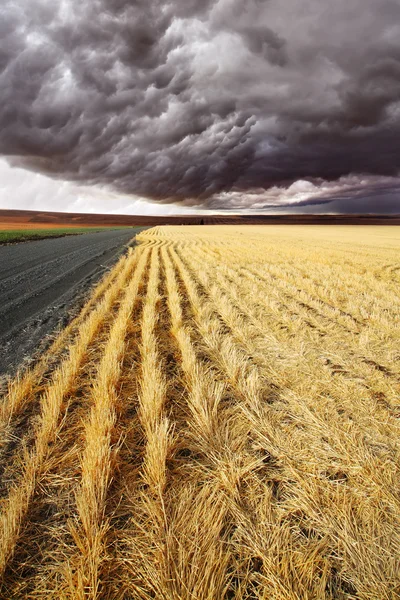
258	455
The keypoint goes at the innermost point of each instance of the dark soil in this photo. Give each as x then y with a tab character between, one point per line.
44	284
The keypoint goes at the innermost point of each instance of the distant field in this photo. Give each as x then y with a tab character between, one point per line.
15	233
39	219
221	421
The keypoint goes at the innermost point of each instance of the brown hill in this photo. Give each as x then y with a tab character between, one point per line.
12	219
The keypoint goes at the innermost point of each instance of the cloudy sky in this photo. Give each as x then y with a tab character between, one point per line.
157	107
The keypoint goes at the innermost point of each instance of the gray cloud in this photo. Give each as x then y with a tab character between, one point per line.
199	102
371	203
380	196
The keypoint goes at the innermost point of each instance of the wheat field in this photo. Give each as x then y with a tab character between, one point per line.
221	421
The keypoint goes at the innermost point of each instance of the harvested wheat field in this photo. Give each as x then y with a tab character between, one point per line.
220	422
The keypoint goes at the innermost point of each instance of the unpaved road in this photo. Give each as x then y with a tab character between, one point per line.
43	283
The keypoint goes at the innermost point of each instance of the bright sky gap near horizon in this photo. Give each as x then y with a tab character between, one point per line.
153	107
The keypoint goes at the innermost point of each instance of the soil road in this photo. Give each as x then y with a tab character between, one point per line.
44	283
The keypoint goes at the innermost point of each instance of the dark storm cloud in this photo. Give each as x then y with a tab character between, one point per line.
377	198
370	203
201	101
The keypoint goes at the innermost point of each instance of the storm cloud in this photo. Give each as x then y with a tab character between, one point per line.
214	103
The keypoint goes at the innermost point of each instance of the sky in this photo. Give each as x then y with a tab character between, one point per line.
173	107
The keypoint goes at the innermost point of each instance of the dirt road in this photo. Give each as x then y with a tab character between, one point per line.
43	283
